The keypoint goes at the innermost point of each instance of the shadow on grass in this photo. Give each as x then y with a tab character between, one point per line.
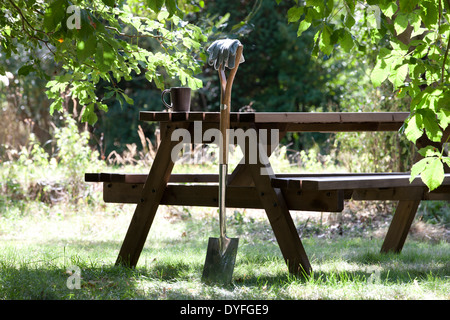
174	279
172	268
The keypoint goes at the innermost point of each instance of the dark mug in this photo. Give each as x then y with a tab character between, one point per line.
180	98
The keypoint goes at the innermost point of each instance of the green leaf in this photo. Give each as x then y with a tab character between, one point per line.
149	76
54	15
110	3
25	70
159	81
408	5
401	23
346	41
294	14
389	8
350	6
433	174
325	44
172	7
314	3
414	127
379	73
155	5
398	75
432	129
194	83
108	95
304	25
417	168
104	56
429	151
444	118
86	49
89	114
127	99
381	70
349	20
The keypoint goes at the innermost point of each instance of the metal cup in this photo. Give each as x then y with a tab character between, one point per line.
180	98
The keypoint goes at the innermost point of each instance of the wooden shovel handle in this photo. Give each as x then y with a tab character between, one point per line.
225	102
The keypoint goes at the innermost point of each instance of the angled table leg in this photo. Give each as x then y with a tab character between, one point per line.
400	225
281	221
279	216
151	196
241	174
406	210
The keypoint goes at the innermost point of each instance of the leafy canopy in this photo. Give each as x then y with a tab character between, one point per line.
412	40
92	40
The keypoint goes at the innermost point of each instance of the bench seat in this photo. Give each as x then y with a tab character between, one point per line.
350	181
306	192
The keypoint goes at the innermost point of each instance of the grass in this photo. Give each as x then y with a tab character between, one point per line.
40	243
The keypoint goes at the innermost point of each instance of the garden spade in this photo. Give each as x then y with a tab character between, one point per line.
221	252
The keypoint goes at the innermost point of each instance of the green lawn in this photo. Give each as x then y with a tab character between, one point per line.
40	242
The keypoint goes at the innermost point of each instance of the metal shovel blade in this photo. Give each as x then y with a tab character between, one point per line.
219	266
222	251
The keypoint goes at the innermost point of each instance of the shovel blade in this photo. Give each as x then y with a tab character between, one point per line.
219	267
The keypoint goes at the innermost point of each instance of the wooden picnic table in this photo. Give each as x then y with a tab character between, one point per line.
255	185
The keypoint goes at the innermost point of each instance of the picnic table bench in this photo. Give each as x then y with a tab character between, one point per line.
255	185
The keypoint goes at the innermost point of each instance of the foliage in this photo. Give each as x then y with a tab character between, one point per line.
278	74
100	40
32	173
412	40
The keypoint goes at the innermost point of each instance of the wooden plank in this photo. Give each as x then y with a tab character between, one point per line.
204	177
343	127
92	177
196	116
236	197
368	116
147	116
351	182
133	178
297	117
401	193
145	211
283	117
400	225
162	116
179	116
295	121
279	217
330	117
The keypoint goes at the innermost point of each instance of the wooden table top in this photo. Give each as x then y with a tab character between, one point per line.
283	117
293	121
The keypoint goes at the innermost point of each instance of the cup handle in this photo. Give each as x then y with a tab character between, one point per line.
162	98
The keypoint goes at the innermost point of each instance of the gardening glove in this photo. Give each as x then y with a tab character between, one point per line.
223	52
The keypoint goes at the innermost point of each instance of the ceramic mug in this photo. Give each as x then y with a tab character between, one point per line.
180	99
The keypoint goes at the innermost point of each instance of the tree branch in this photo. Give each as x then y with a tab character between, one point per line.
445	60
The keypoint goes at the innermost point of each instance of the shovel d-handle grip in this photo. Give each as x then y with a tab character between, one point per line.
225	102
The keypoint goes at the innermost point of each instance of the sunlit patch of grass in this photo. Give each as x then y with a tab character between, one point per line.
39	243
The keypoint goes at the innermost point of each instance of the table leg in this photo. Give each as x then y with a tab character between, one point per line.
241	174
279	217
151	196
406	210
400	225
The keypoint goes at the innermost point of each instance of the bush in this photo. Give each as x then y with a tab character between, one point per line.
34	174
